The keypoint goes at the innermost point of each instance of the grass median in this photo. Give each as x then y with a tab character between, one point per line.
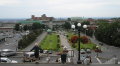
50	42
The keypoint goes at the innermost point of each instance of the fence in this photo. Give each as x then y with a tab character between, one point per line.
28	57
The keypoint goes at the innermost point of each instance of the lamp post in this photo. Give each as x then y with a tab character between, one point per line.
21	28
97	47
85	26
79	25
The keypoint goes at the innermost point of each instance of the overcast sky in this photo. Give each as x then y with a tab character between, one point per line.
59	8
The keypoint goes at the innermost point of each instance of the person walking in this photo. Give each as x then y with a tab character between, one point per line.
36	49
87	60
64	55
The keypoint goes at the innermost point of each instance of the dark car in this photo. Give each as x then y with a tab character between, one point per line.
50	51
7	52
98	50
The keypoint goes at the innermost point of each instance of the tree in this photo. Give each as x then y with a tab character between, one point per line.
69	19
17	27
67	25
85	23
109	33
36	26
25	27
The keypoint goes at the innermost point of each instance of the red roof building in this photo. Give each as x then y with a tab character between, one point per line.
43	18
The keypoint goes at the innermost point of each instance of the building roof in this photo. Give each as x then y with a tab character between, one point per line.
28	22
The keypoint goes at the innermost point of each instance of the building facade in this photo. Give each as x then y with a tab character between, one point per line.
42	18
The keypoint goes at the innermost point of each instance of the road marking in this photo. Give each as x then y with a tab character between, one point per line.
98	60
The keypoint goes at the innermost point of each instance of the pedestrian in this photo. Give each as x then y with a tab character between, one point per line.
64	55
115	59
36	49
87	60
82	59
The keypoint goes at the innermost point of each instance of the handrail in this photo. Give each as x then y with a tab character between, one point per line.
21	55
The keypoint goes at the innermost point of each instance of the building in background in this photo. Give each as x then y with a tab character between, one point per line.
42	18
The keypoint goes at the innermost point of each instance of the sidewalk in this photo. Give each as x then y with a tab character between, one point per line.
64	42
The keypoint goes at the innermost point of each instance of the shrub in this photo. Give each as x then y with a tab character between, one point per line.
84	39
74	39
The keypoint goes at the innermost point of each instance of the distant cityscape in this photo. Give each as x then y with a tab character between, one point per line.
20	19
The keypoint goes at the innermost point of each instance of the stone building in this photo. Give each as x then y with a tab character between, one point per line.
42	18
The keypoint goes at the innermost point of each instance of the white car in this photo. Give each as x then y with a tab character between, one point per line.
45	51
28	57
82	51
29	54
6	60
88	51
7	52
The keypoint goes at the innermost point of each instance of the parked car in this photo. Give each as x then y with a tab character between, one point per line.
7	52
9	36
82	51
50	51
28	57
98	50
6	60
88	50
45	51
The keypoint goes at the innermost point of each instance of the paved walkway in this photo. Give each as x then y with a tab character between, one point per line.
64	42
38	40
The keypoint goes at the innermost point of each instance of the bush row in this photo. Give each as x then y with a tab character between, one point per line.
28	39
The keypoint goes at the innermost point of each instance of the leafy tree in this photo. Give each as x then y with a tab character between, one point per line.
67	25
85	23
36	26
109	33
69	19
17	27
25	27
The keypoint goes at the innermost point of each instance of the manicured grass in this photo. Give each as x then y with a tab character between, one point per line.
50	42
89	45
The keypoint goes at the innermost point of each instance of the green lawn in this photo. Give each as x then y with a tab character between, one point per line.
88	45
50	42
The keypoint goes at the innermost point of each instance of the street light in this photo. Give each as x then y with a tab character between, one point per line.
85	26
97	47
21	27
79	25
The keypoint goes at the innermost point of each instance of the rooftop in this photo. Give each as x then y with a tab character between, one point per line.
32	21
